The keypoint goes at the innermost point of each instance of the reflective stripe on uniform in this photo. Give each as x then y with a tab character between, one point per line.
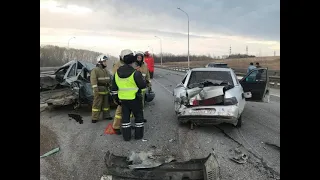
106	109
143	74
139	125
143	90
126	125
114	92
103	92
118	116
94	86
103	78
131	115
95	110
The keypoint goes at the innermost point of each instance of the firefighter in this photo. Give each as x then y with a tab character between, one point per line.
142	67
126	91
101	82
118	114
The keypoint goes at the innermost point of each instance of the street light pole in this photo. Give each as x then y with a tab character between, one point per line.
69	41
188	36
160	47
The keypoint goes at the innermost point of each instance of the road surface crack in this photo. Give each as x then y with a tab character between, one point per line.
263	162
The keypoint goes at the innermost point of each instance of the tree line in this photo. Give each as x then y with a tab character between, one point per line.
51	56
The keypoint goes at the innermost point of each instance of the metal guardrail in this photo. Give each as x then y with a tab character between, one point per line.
273	80
45	69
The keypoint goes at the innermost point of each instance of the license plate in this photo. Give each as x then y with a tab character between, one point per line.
202	112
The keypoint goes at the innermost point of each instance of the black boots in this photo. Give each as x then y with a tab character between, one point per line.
94	121
108	118
139	128
126	131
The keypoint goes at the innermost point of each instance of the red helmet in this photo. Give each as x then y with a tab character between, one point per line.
147	53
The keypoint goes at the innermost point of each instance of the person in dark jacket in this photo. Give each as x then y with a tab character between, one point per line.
126	89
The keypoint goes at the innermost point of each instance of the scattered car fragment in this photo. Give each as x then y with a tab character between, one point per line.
214	95
119	168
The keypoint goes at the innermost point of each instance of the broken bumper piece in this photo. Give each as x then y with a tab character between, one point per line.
206	168
209	114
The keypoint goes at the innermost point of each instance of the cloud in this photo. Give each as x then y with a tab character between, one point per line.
214	25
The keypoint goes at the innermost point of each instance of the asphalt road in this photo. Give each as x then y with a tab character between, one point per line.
82	146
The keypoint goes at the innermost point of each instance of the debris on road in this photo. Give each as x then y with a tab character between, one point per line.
144	140
239	157
145	165
274	146
76	117
170	140
104	177
51	152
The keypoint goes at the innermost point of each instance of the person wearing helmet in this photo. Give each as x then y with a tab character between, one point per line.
118	113
100	82
142	67
126	91
150	63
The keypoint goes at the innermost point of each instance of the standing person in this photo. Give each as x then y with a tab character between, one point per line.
258	65
126	91
118	114
142	67
150	63
100	82
251	66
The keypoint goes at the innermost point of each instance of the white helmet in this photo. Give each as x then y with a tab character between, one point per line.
101	57
140	53
125	52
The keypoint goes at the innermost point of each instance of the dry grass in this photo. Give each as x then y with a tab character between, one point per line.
272	62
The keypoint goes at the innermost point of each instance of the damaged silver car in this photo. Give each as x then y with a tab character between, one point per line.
215	95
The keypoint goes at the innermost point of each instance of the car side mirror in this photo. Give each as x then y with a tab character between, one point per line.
246	95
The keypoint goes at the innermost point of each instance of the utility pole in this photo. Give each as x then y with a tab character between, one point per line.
247	50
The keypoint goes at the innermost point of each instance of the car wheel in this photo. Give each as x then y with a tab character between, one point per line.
239	123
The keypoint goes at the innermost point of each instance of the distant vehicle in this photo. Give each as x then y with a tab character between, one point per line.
218	65
214	95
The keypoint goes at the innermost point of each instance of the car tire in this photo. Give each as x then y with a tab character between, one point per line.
239	123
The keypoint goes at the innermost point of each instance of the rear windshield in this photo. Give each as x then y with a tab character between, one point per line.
199	76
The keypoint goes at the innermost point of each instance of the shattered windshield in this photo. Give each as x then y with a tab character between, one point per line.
207	78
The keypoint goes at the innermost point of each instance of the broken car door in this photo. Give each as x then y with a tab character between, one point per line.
256	82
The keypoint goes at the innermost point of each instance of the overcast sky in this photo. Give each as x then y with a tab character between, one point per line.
109	26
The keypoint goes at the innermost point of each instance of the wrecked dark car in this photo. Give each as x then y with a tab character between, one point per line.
70	85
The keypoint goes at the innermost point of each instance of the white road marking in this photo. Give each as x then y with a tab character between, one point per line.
163	86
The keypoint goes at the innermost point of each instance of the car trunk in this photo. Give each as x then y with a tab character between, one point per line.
206	96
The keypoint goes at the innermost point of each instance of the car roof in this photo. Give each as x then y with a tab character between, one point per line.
217	63
212	69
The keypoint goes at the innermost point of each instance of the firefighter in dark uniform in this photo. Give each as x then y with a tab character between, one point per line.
126	91
100	82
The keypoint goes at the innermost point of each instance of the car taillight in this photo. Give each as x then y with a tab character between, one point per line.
230	101
195	102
